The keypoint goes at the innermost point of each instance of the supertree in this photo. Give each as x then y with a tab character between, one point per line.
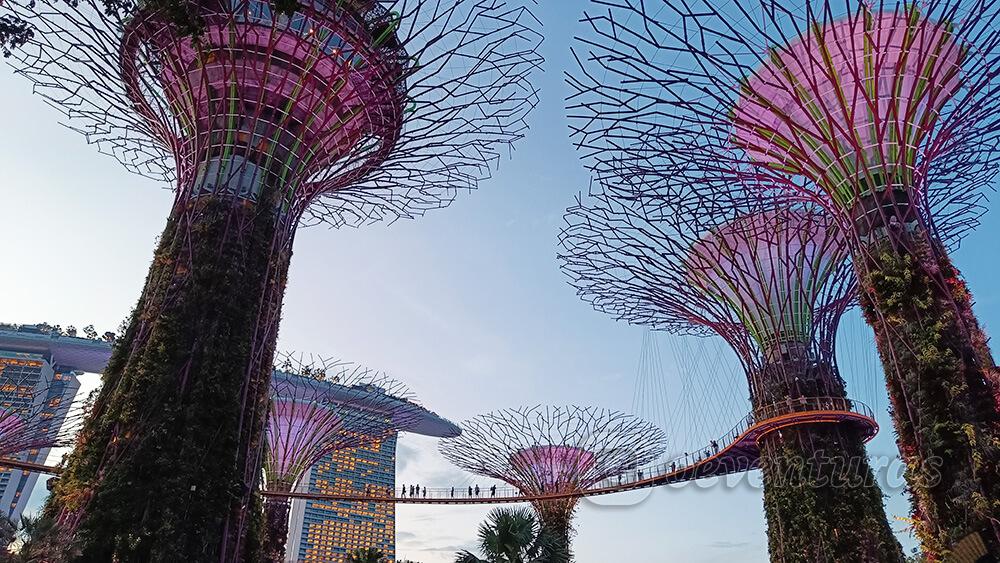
316	414
772	281
262	117
37	427
884	114
34	414
552	450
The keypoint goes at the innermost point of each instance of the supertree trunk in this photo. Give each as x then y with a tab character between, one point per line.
165	468
556	521
821	501
942	385
276	529
337	106
253	544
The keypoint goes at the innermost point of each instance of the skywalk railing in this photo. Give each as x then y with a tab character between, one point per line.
739	441
680	468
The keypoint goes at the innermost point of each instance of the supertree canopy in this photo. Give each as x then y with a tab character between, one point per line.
262	117
773	282
772	268
887	116
553	450
552	468
37	427
35	413
317	414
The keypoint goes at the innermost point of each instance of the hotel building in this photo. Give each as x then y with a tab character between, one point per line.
38	375
327	532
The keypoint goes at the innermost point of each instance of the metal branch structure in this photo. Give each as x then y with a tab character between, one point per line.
319	412
343	112
551	450
773	281
37	426
355	111
887	116
35	413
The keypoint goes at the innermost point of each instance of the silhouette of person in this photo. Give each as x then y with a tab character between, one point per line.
477	490
470	490
425	492
403	494
453	492
715	446
411	490
493	491
640	474
673	466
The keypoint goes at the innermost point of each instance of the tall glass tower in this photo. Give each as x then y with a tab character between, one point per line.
38	374
327	531
330	530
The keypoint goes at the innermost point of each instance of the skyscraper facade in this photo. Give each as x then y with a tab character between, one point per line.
324	531
41	366
38	375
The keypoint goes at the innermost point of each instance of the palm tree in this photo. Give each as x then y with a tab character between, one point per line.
366	555
514	535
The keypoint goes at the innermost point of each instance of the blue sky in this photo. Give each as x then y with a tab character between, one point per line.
466	305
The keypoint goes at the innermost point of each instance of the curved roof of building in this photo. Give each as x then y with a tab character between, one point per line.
70	352
411	416
84	354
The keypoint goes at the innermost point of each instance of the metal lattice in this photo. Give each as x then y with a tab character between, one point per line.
771	280
550	449
356	112
319	408
880	113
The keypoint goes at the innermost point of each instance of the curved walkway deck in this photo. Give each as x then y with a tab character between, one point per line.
736	452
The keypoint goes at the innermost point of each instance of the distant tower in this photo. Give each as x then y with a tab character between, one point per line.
773	282
38	383
312	416
551	450
325	531
887	116
263	117
329	531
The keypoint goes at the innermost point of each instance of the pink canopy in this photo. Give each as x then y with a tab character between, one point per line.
299	433
318	102
20	431
850	103
771	269
12	432
553	468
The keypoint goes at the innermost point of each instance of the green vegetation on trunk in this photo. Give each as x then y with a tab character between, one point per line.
275	529
556	523
165	466
942	385
821	500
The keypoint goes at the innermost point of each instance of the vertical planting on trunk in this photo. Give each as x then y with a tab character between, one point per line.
942	387
821	501
161	468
